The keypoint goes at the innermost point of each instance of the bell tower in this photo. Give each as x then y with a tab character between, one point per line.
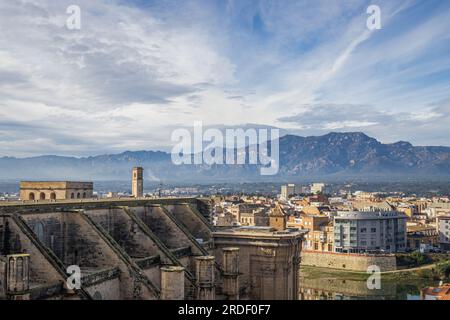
277	218
138	182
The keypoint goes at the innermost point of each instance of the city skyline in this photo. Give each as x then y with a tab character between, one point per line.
223	155
136	71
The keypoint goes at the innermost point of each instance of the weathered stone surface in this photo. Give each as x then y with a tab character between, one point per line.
346	261
120	246
55	190
269	261
99	236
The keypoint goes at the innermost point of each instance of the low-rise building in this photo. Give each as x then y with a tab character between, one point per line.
320	236
436	293
436	209
55	190
224	219
419	236
408	209
242	209
258	217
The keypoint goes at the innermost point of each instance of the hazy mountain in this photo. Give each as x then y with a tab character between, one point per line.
335	155
359	154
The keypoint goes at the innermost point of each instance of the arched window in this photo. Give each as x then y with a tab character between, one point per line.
38	229
72	195
97	296
84	195
42	196
31	196
53	196
78	195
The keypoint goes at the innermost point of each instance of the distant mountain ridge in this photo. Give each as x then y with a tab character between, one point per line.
351	154
357	153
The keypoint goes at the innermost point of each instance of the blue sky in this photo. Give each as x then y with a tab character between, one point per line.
137	70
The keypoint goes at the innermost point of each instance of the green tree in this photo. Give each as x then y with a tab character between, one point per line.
443	268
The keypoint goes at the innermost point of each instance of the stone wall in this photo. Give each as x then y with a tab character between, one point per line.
103	285
124	231
41	269
105	290
136	237
190	220
2	277
268	265
50	229
161	225
154	274
345	261
76	242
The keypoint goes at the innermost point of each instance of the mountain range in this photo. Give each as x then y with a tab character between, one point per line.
331	156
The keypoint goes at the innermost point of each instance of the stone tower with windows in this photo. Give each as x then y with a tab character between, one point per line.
277	218
138	182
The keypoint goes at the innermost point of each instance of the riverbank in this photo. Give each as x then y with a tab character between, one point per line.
425	272
326	283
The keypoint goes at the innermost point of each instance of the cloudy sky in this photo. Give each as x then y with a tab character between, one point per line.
137	70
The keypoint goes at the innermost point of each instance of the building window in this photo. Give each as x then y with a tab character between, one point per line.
373	229
97	296
31	196
38	229
53	196
78	195
52	242
72	195
363	230
42	196
84	194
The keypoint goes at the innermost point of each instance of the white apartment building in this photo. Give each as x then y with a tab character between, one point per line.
375	231
317	188
443	228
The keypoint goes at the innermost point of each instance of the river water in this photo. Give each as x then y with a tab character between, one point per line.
328	284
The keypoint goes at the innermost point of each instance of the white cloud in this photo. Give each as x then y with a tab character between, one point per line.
133	73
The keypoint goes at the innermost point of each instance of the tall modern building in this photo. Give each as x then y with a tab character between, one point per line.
370	231
138	182
289	190
317	188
